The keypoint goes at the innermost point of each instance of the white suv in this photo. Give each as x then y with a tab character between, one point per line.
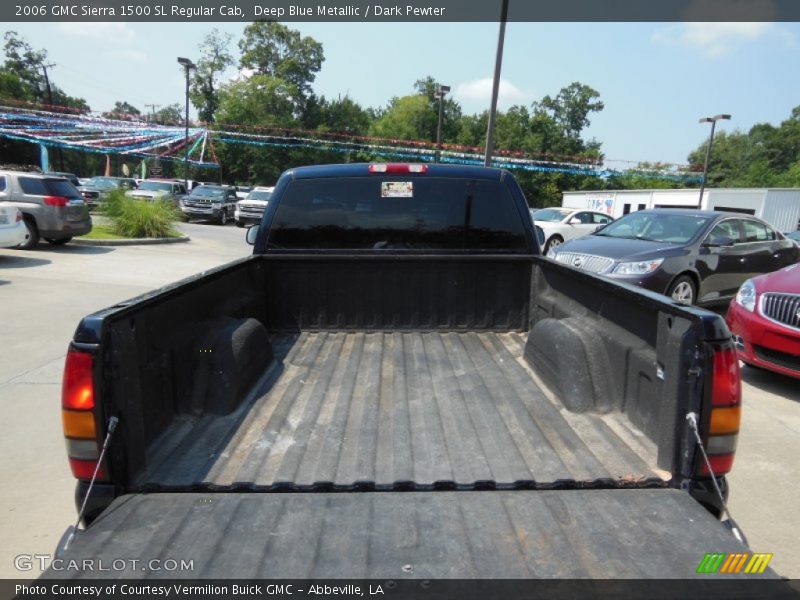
251	209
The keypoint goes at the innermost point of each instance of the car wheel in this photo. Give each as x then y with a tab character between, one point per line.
683	290
552	243
31	234
223	217
240	223
58	241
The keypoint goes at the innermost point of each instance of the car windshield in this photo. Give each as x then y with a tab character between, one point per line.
259	195
103	183
155	186
550	214
206	191
655	227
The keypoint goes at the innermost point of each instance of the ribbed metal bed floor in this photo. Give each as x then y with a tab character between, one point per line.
402	410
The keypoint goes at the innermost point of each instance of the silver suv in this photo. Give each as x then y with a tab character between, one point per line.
52	208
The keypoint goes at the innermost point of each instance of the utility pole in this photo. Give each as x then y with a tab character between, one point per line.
155	107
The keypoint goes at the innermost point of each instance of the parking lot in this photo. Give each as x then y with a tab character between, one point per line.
45	292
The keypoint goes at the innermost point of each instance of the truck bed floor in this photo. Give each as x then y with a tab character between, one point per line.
389	409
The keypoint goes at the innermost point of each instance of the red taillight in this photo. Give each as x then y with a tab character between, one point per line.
84	469
395	168
77	402
727	383
77	391
723	424
56	200
720	463
19	216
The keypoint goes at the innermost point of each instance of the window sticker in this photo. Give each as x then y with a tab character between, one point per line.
397	189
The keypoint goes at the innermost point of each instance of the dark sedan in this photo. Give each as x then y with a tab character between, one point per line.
693	256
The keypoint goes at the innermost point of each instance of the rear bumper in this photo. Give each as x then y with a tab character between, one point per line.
764	344
67	229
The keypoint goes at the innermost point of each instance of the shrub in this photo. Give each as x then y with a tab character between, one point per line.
134	218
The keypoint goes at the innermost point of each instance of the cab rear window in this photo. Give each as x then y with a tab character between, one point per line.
397	213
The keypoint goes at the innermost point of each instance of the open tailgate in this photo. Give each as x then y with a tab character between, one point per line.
637	533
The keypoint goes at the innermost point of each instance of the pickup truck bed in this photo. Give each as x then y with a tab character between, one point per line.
414	410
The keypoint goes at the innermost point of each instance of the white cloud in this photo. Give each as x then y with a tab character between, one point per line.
481	90
715	40
137	56
114	33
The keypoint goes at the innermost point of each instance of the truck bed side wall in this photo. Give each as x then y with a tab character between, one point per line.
617	349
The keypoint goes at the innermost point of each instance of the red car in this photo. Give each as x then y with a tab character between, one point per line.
765	321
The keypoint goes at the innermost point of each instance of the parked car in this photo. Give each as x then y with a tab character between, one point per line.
12	227
251	209
693	256
51	207
98	189
159	189
764	319
563	224
217	202
242	191
71	177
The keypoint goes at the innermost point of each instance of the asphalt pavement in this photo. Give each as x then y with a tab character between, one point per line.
45	292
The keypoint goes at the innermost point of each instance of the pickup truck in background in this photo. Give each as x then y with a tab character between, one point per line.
398	384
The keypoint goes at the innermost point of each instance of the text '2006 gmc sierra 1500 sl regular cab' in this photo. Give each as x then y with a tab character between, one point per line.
397	384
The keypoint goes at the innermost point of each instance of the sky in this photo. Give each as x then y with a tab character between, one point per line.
656	79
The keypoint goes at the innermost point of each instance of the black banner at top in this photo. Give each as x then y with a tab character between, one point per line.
401	11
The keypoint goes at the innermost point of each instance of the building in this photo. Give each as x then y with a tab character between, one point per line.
780	207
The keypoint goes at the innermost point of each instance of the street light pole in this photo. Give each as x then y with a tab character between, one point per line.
713	120
498	63
440	93
188	65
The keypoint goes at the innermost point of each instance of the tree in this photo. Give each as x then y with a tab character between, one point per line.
272	49
32	82
25	62
172	114
416	117
122	110
571	107
215	58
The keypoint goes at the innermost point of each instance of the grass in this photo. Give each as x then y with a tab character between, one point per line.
101	232
133	218
107	232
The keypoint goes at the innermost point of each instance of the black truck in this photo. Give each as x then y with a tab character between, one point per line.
398	384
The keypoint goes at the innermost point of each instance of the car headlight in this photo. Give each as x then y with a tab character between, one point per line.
216	205
639	267
552	253
746	296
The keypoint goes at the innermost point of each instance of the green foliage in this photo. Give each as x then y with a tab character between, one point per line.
274	50
122	110
30	80
215	58
765	156
140	218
